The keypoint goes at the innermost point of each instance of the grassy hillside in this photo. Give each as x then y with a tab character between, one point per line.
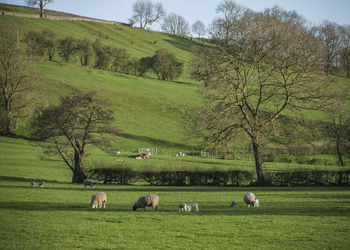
149	112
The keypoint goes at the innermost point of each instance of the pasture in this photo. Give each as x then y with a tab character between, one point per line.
58	216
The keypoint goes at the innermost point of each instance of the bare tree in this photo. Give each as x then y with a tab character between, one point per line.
14	75
345	48
199	28
338	128
72	125
145	12
175	24
329	34
40	3
263	68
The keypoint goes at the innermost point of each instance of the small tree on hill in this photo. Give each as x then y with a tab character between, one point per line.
72	125
85	52
14	75
40	3
166	66
199	28
67	47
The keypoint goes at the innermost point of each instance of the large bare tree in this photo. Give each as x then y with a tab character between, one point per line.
264	67
15	92
72	125
345	48
40	3
329	34
199	28
175	24
145	12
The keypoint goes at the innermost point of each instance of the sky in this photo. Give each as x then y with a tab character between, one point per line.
314	11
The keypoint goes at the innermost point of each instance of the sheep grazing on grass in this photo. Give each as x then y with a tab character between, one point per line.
184	207
194	206
89	182
233	203
149	200
41	184
98	199
256	203
32	184
249	199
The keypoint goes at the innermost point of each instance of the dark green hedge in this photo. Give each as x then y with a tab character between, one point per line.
125	176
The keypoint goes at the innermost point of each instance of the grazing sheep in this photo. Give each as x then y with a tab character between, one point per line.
41	184
149	200
233	203
98	199
32	184
180	154
184	207
249	199
89	182
194	206
256	203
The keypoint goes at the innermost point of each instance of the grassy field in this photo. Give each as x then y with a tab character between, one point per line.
58	216
151	113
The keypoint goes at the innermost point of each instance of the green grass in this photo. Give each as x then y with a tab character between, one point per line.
58	216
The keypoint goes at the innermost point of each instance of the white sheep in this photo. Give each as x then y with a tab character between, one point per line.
41	184
249	199
89	182
32	184
149	200
256	203
194	206
98	199
233	203
184	207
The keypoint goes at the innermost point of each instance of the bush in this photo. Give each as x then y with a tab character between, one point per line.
124	175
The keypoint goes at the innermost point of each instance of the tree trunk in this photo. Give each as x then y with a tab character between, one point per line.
78	173
339	153
41	6
257	157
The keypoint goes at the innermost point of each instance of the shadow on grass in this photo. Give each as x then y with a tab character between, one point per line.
162	143
207	209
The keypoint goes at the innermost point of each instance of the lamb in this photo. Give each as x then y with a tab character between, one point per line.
249	199
233	203
32	184
89	182
194	206
41	184
149	200
184	207
98	199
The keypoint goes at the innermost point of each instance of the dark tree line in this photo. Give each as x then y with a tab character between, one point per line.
164	64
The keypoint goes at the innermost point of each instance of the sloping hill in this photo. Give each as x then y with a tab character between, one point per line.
150	112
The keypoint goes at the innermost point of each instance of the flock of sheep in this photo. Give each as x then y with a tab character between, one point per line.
152	200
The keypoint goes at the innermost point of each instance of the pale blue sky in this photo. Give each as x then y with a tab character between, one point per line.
313	11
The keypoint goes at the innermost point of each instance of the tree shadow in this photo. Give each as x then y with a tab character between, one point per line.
158	142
